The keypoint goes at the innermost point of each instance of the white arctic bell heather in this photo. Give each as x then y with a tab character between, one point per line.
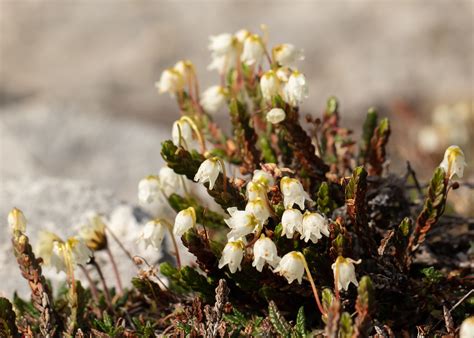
291	266
265	251
153	234
169	181
213	98
286	54
241	223
291	221
185	68
221	44
263	177
253	50
171	81
259	208
232	255
345	272
208	172
269	85
149	190
256	190
16	220
241	35
467	328
185	220
296	89
182	132
453	162
69	254
314	227
293	192
276	115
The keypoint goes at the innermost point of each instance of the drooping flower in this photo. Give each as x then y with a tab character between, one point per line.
467	328
45	245
241	223
269	85
79	250
291	221
232	256
182	134
185	220
276	115
264	178
253	50
259	208
154	233
283	74
66	255
453	162
314	226
149	189
213	99
293	192
241	35
287	55
345	270
225	50
93	232
296	89
265	251
256	190
17	220
221	44
170	182
171	81
208	172
185	68
291	266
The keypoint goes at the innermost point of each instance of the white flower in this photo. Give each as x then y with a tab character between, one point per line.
169	181
222	44
265	251
276	115
293	192
291	266
185	220
314	226
283	74
256	190
263	177
259	208
57	257
241	35
286	54
232	255
453	162
93	232
208	172
269	85
296	90
345	270
171	81
65	255
45	245
149	190
182	132
291	221
253	50
16	220
185	68
79	250
153	233
467	328
213	98
241	223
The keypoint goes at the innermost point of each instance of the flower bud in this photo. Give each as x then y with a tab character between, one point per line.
185	220
276	115
291	266
17	220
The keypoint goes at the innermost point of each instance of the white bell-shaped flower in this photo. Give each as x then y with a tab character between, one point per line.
291	221
57	257
185	220
344	272
232	256
241	35
171	81
17	220
208	172
453	162
213	99
296	89
169	181
182	134
265	251
276	115
222	44
253	50
293	192
287	55
149	190
255	191
154	233
259	208
46	241
260	176
291	266
185	68
467	328
283	74
80	253
315	226
65	255
241	223
270	85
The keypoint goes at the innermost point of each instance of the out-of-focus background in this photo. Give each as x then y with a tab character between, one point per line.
81	121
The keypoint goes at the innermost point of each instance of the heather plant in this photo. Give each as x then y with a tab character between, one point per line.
304	231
